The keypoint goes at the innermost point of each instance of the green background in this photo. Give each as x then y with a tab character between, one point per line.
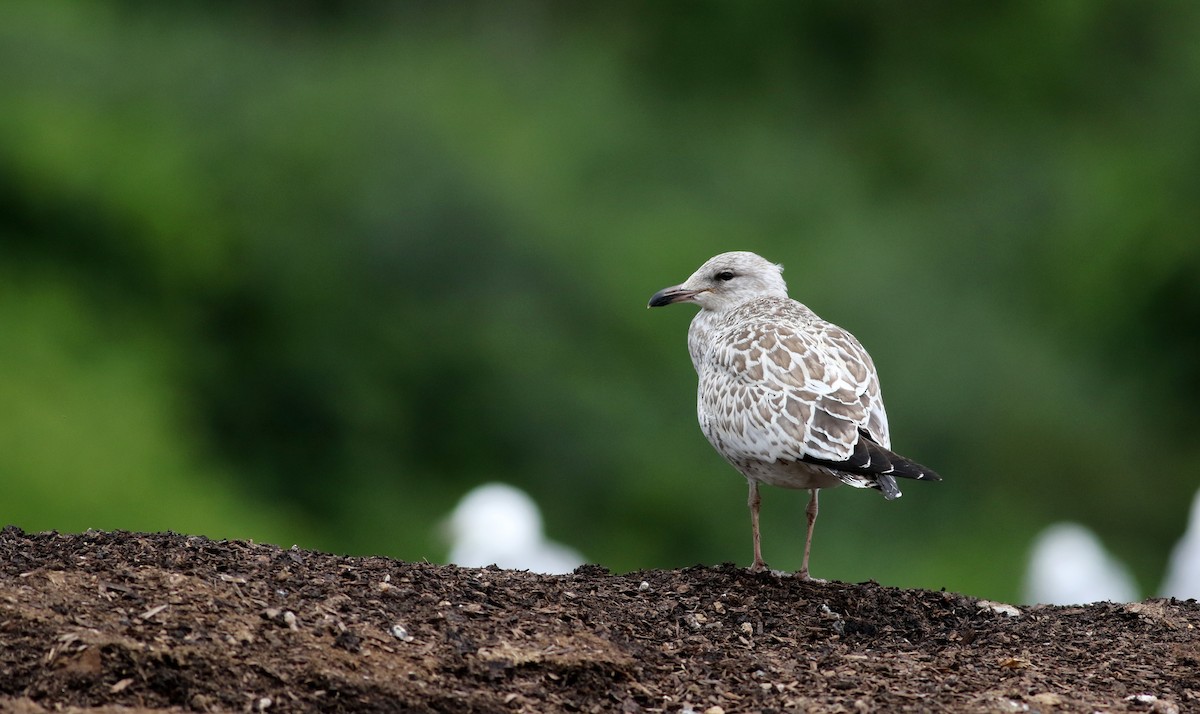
305	272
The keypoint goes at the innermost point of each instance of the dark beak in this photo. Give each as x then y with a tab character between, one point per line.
666	296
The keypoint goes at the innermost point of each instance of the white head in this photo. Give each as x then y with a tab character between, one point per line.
500	524
1069	566
498	516
1183	569
726	281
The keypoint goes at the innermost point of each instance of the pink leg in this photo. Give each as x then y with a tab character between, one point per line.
754	501
812	519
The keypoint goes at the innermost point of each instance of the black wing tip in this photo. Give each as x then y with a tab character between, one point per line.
924	473
915	471
872	460
892	462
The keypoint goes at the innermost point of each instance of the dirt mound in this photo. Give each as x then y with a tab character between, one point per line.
169	621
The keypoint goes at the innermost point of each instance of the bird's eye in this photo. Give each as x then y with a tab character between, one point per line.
724	275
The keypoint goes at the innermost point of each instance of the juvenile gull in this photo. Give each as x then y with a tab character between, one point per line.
788	399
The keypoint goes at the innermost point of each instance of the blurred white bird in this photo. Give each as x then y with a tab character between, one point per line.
499	524
1183	570
1069	566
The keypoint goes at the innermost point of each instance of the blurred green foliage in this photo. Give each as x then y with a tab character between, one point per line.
307	272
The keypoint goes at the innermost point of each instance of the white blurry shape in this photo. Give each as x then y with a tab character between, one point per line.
499	524
1069	566
1183	570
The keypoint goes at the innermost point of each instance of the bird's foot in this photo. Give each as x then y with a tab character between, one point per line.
803	575
761	567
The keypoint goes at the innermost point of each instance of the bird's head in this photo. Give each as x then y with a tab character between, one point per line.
496	516
726	281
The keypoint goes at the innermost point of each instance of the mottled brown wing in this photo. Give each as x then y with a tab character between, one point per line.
804	392
778	384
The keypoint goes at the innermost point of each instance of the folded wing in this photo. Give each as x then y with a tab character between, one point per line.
810	393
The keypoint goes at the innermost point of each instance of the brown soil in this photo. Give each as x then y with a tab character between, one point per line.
165	621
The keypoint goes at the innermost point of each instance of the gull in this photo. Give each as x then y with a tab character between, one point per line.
1183	570
498	524
788	399
1069	566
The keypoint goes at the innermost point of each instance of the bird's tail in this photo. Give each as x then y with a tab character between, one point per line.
873	466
